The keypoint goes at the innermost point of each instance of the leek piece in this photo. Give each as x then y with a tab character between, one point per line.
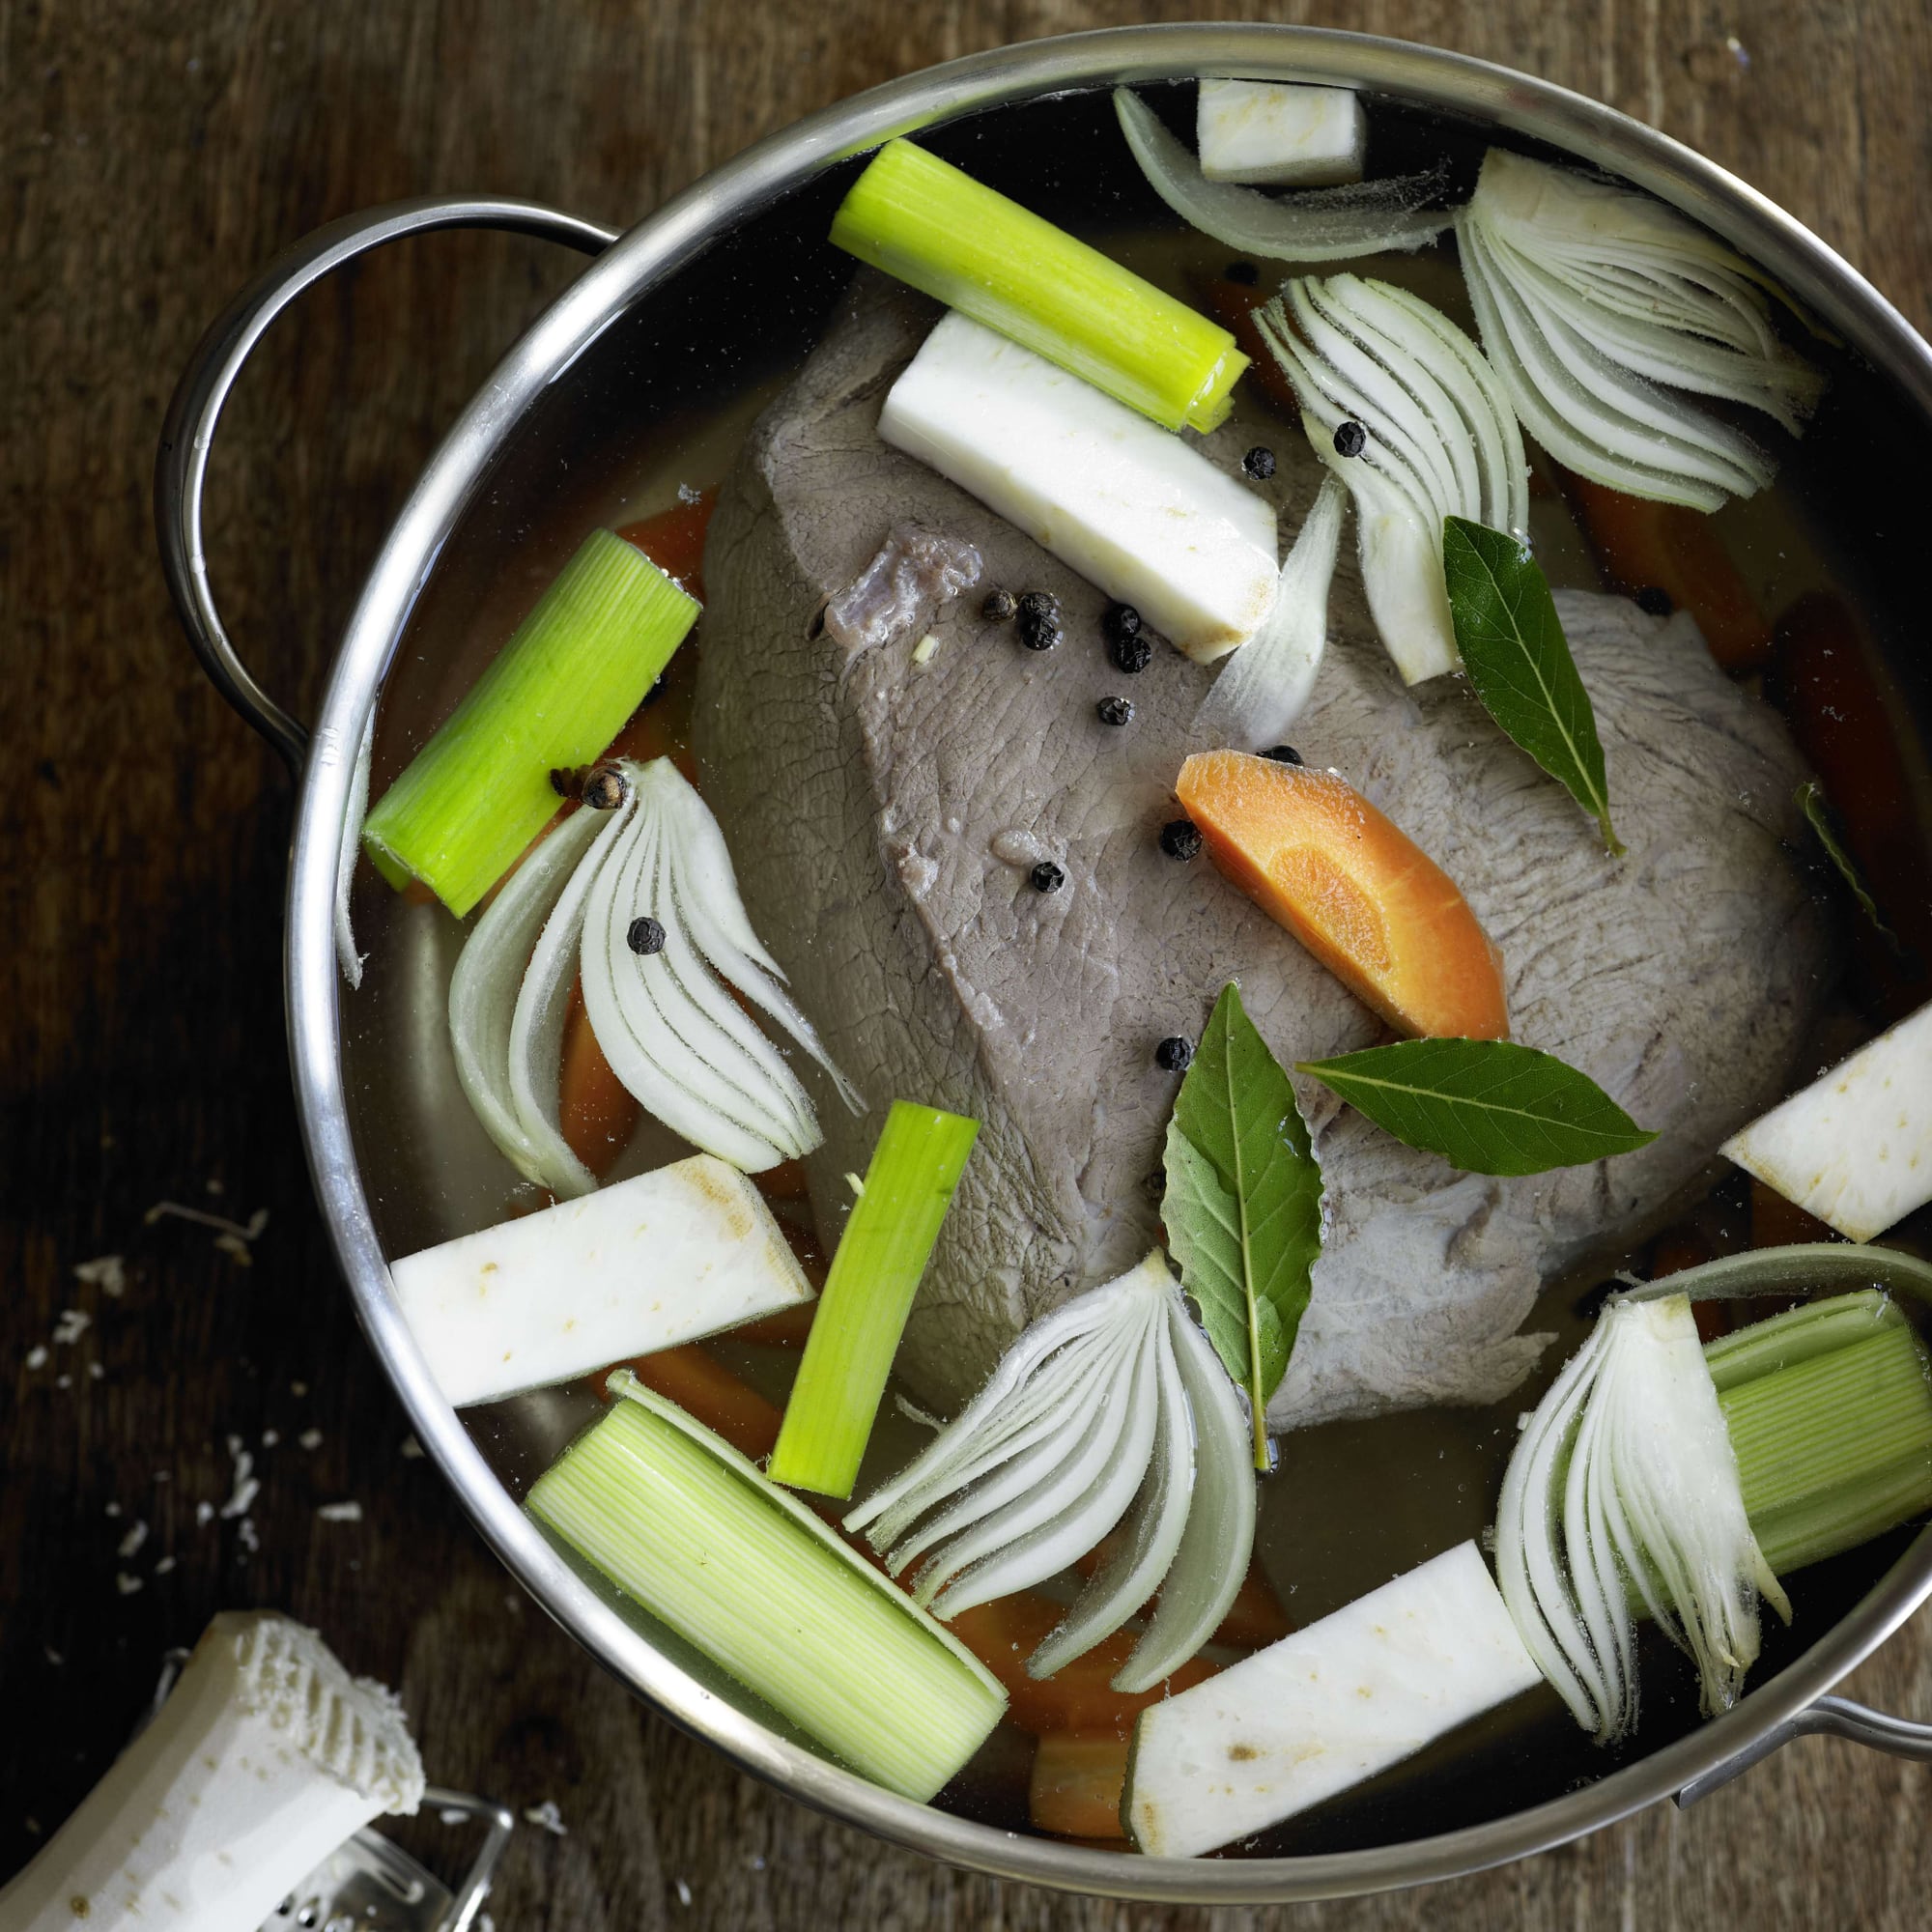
559	692
1836	1448
683	1524
923	221
1813	1328
867	1296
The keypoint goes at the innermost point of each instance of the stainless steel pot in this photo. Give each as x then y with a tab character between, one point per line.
1791	1704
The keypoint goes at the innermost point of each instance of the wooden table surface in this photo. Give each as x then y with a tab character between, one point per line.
156	154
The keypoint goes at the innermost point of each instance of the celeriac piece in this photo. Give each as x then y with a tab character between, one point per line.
641	1265
1280	134
1349	1696
1853	1147
264	1758
1140	514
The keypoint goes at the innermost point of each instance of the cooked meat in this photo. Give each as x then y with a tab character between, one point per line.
884	823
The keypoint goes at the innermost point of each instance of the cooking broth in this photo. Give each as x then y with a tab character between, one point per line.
661	403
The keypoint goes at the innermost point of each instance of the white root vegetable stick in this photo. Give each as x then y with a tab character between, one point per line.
1138	512
641	1265
264	1758
1325	1708
1280	134
1853	1147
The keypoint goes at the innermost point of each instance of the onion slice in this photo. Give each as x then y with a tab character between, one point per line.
1212	1563
1263	687
1590	296
667	1020
484	1002
346	956
1441	441
1333	224
1111	1411
1623	1489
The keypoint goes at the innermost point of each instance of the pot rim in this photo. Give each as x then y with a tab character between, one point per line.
640	259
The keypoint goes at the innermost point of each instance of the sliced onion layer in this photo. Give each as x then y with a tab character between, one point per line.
1323	224
1595	302
1440	439
1262	686
1623	1491
1111	1412
668	1020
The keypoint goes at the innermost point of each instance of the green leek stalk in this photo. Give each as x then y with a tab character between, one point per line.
559	691
1829	1411
923	221
746	1573
867	1295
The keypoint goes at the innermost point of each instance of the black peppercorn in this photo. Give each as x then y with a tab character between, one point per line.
1118	621
1038	633
1046	877
1244	272
1180	838
605	789
1115	711
644	936
1258	463
1350	439
1655	601
1131	655
999	606
1036	604
1175	1054
1282	755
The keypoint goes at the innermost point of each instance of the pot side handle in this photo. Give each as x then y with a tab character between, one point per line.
187	433
1827	1717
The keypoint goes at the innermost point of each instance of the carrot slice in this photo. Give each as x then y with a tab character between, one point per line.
1076	1785
595	1109
1646	545
674	540
704	1388
1844	723
1313	854
1079	1697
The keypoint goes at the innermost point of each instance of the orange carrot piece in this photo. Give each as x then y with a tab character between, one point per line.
790	1328
1079	1697
595	1109
1255	1618
1076	1785
1779	1223
1315	856
674	540
706	1389
1844	723
1666	547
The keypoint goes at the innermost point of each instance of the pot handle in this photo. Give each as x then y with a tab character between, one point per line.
181	470
1827	1717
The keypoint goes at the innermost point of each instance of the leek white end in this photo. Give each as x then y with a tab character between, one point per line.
1138	512
1853	1147
666	1258
1280	134
683	1524
1323	1709
264	1758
